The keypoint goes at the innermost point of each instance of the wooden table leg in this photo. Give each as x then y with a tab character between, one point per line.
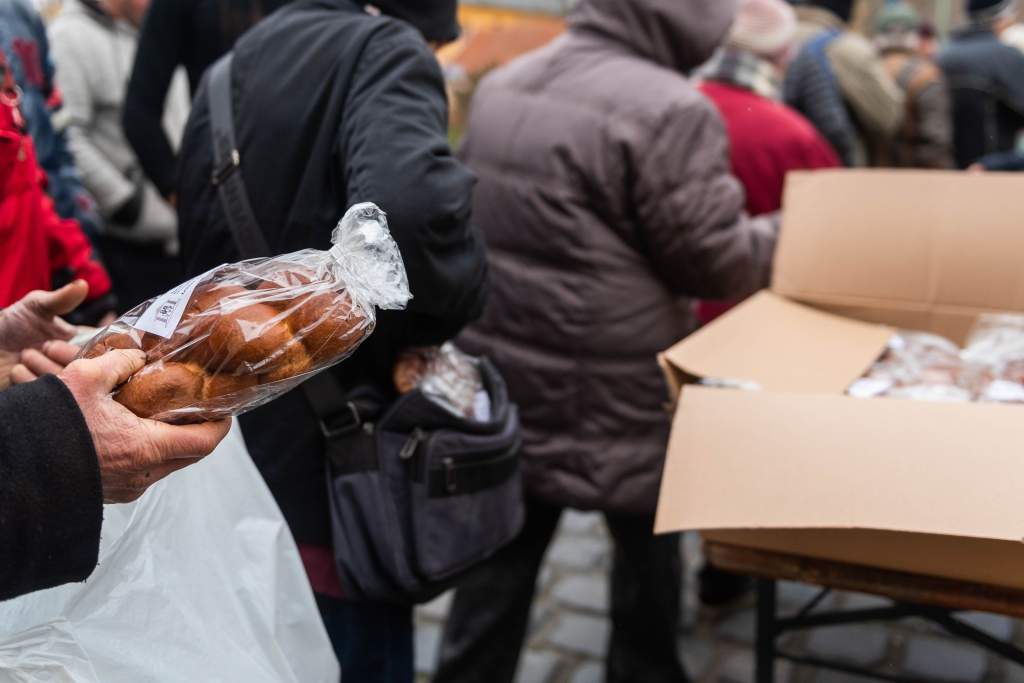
766	632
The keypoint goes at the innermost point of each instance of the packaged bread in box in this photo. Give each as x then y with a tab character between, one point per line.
242	334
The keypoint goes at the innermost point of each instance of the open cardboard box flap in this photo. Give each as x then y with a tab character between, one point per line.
925	250
779	345
761	460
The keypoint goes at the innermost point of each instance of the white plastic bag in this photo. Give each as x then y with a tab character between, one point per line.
199	580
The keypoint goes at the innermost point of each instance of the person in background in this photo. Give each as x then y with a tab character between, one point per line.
925	139
767	139
986	79
928	40
189	33
93	45
36	245
355	111
607	204
838	82
50	516
27	51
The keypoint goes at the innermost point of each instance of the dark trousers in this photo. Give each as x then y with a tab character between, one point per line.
373	642
139	271
490	614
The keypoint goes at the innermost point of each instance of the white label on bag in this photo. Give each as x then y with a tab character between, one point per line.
164	314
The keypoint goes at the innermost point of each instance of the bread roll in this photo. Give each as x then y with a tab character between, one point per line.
117	340
247	339
162	387
290	364
218	385
186	343
329	324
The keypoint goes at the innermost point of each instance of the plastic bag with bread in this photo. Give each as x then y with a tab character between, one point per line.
242	334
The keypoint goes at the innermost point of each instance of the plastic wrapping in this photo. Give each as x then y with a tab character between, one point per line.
927	367
997	343
199	580
446	376
241	334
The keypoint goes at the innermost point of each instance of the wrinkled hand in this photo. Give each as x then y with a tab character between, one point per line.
133	453
53	357
34	319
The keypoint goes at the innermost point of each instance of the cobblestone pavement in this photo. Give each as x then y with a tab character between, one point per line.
570	626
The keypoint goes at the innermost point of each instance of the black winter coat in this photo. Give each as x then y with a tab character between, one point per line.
51	499
189	33
334	107
986	80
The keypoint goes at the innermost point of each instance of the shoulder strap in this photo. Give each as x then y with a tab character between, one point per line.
337	415
227	172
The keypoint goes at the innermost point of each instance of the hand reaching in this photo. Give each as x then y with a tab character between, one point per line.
35	318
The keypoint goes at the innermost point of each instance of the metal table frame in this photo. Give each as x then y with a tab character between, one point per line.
934	599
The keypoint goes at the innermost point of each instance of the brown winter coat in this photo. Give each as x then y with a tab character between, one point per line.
606	200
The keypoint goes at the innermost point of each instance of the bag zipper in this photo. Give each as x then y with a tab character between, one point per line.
410	447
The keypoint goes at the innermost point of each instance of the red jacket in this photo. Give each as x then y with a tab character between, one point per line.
35	242
767	139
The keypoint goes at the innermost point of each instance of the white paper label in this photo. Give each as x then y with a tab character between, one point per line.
164	314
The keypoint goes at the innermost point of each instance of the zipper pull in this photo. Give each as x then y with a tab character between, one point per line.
410	446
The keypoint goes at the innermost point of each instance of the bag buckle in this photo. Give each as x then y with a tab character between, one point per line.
345	425
221	174
450	483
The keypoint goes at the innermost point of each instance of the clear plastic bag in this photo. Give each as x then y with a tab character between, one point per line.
997	343
446	376
242	334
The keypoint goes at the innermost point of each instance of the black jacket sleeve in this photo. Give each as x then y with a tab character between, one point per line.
395	153
51	500
156	59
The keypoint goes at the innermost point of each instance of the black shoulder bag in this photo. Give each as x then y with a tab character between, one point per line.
418	495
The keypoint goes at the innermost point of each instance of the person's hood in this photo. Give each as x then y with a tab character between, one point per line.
678	34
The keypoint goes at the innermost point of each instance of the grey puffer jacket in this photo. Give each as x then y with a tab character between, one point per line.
606	198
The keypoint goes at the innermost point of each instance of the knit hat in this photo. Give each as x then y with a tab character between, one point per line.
764	27
435	19
841	8
897	18
986	10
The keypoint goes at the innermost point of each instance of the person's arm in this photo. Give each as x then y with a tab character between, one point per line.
157	58
690	210
111	189
877	99
51	500
72	254
395	150
810	90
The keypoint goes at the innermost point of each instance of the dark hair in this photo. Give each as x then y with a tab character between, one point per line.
927	30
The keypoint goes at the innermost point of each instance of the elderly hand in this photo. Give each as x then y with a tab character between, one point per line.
133	453
53	357
34	319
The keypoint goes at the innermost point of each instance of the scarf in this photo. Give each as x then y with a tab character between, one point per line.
745	70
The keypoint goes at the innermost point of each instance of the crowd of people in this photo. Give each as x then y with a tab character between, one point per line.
614	189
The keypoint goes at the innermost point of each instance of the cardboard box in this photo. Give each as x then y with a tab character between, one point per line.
800	468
